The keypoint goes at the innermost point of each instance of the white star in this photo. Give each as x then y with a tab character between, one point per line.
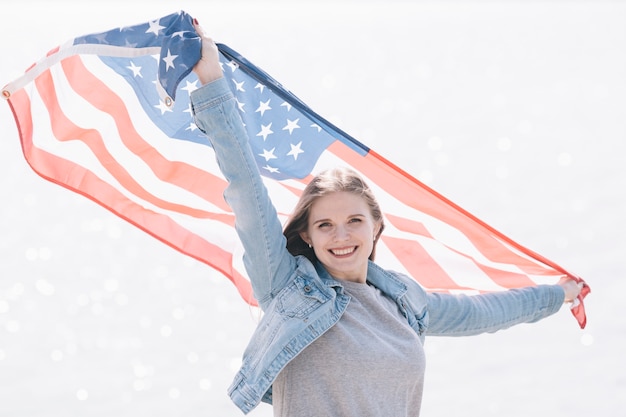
316	126
155	27
163	107
291	125
263	106
135	69
239	86
295	150
169	60
260	87
268	154
189	110
271	169
240	105
286	105
192	127
233	65
129	44
190	86
179	33
102	38
265	131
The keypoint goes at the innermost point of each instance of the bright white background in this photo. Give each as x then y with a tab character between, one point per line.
514	110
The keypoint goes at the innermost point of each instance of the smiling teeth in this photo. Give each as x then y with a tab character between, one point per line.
340	252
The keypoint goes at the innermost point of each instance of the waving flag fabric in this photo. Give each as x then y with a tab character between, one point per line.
107	115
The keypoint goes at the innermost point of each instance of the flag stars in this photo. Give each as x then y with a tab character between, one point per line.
268	154
154	27
291	125
102	38
260	87
190	87
266	130
316	126
240	105
232	65
239	86
169	60
271	169
192	126
163	107
130	44
285	104
263	107
135	69
295	150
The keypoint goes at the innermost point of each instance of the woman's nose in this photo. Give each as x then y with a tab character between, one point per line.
341	234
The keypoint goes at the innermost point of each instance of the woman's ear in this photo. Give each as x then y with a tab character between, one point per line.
305	237
377	227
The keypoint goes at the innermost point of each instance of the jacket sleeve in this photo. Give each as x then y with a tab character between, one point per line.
266	258
464	315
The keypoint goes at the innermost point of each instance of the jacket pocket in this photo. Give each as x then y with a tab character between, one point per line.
300	298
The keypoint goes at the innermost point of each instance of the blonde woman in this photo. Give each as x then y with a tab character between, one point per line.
341	336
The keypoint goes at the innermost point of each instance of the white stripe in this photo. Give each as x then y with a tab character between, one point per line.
195	154
388	259
80	111
215	232
69	50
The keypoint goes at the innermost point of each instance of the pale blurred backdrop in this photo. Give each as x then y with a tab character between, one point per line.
515	110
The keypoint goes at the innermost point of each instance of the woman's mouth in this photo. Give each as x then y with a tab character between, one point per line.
343	251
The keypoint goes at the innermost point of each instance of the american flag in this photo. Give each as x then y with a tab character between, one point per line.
107	115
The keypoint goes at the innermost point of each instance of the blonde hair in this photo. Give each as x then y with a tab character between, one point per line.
330	181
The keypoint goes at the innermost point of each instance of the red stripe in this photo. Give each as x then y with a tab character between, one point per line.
505	279
406	225
579	310
419	264
20	105
160	226
53	51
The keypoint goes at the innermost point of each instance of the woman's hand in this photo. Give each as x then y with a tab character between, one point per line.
571	288
208	67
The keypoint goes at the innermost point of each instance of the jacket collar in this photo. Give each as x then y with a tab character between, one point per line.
385	281
380	278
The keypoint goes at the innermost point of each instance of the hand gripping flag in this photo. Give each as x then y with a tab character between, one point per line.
107	115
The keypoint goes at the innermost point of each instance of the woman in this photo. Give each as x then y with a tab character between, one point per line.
340	335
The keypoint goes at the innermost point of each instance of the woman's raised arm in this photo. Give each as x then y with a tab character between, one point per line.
268	263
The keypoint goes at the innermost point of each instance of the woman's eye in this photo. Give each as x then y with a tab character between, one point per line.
355	220
321	225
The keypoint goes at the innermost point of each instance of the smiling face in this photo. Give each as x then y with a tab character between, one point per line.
341	230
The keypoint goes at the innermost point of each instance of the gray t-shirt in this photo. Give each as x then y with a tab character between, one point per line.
370	364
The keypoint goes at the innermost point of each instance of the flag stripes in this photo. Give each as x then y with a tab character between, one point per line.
97	116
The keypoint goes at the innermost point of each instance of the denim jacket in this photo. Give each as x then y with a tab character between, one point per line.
301	300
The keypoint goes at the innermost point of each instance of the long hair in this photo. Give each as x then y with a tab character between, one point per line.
327	182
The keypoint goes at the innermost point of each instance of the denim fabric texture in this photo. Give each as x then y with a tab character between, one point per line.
300	300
